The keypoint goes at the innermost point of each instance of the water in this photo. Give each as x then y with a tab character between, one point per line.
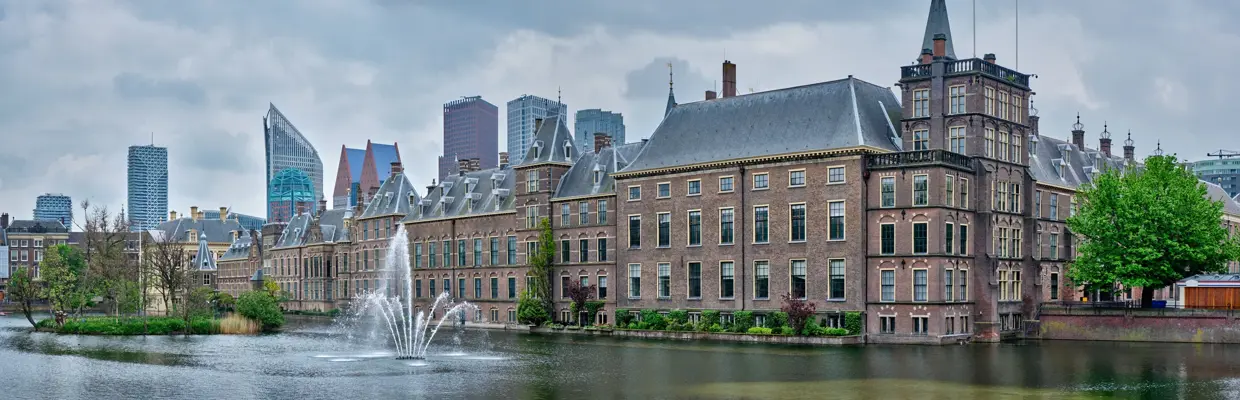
407	330
311	360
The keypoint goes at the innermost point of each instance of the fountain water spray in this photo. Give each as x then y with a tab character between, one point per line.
408	330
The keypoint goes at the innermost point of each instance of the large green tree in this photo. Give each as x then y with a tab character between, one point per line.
23	290
539	288
63	269
1149	227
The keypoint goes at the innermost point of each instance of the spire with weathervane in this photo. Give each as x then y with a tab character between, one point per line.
671	95
937	23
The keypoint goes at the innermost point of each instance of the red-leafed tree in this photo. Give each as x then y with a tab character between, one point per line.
799	312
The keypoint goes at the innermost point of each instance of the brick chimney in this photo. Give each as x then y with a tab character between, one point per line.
989	57
322	206
475	164
1104	141
940	45
396	168
172	215
1078	138
301	208
4	221
1129	151
503	159
711	95
927	56
462	166
193	213
729	79
223	214
601	141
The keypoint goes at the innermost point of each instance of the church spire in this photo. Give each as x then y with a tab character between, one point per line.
937	23
671	95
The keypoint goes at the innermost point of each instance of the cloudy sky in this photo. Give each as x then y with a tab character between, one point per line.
81	80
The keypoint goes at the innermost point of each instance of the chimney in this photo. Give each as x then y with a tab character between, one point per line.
223	214
729	79
537	124
322	206
1104	141
927	56
503	159
1078	139
601	141
940	45
193	213
396	168
4	221
1129	150
475	164
989	57
462	166
431	189
711	95
301	208
172	215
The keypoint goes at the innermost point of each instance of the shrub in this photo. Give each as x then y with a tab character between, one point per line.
852	322
262	307
632	325
757	330
714	328
797	312
710	317
623	317
530	310
742	321
678	316
834	332
776	320
811	329
653	320
787	331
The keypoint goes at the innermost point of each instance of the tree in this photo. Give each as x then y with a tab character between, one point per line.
261	306
1148	228
24	290
110	272
579	294
530	310
540	266
168	269
196	303
224	301
799	312
63	270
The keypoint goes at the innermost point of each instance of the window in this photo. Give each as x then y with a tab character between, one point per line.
725	226
956	139
761	279
835	175
602	212
583	208
920	325
797	278
1015	148
948	234
602	249
919	285
417	255
989	142
962	279
947	285
887	239
796	178
835	270
635	193
727	276
694	187
921	190
760	224
635	281
531	248
635	231
1014	282
760	181
695	228
796	214
1014	252
512	250
920	231
1037	203
1054	286
964	193
417	288
1054	246
664	191
602	287
665	280
888	191
949	189
921	103
1016	108
887	324
665	229
583	252
921	139
1003	105
564	214
494	251
1054	206
887	281
564	286
836	221
477	252
695	280
460	287
531	216
531	181
964	240
429	260
478	288
512	315
1001	196
1072	208
460	254
990	101
512	287
725	184
1002	152
956	95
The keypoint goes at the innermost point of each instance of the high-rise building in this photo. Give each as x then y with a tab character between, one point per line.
522	112
591	121
54	207
1224	171
286	148
147	202
362	171
470	130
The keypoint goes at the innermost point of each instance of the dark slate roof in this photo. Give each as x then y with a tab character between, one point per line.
490	189
550	143
213	229
671	101
330	222
29	226
240	248
393	197
205	258
76	238
822	116
937	22
579	180
1237	198
1213	277
1217	193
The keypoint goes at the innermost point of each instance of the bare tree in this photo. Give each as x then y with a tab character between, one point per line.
109	271
168	269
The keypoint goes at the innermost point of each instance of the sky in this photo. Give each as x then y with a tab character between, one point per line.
81	80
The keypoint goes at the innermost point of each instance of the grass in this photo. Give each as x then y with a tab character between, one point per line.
127	326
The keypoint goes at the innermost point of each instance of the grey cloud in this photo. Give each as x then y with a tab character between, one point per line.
650	82
136	86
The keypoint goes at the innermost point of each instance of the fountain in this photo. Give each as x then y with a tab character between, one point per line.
410	332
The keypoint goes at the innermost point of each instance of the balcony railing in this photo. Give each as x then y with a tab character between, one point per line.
972	65
919	158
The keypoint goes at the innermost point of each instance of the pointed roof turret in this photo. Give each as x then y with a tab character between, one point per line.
671	95
936	23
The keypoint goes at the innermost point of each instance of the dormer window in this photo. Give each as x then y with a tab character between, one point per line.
568	150
537	149
598	177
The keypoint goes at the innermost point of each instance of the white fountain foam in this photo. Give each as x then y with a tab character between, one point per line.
407	330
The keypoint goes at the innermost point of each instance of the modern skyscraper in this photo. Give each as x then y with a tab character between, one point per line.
362	170
1224	171
54	207
589	122
287	149
148	186
470	130
522	112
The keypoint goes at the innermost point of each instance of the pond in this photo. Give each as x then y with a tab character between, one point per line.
314	360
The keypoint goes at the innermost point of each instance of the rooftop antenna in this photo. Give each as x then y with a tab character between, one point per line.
669	75
974	28
152	138
1017	35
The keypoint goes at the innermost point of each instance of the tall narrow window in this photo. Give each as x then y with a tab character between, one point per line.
477	252
887	187
835	223
635	281
1002	152
920	237
921	139
948	234
727	276
461	254
887	239
964	240
1054	206
531	181
602	249
430	261
947	285
665	229
956	139
665	280
835	289
1016	154
797	279
1054	286
1037	203
919	285
565	217
797	218
761	279
512	287
695	280
477	288
512	250
602	212
957	99
494	251
602	287
1003	105
1054	246
887	278
635	231
1017	108
531	216
583	208
949	190
990	101
921	103
962	279
964	193
760	224
921	190
989	142
695	228
583	253
417	255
